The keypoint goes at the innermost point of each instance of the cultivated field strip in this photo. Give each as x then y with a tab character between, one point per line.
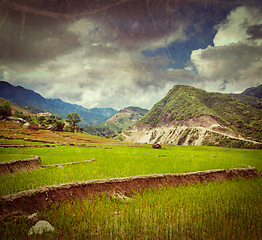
35	199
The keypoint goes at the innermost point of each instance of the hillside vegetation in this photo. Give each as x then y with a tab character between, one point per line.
254	91
15	136
184	102
253	101
15	107
125	118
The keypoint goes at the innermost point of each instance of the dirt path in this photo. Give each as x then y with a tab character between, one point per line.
31	200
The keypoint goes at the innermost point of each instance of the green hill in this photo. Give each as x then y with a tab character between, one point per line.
184	102
125	118
254	91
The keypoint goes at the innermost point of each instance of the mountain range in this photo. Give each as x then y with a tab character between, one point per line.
189	116
185	116
24	97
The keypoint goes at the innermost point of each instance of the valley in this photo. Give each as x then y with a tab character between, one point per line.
185	116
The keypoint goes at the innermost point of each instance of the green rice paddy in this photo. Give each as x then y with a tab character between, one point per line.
217	210
120	161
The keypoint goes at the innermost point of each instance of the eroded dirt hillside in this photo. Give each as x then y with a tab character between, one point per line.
197	131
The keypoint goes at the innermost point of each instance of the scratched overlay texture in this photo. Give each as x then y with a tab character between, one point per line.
117	53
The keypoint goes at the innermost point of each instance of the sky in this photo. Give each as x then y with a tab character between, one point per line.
119	53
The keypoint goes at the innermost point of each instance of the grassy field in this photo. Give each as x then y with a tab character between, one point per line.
120	161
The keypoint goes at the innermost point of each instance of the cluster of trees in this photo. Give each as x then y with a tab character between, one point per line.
53	122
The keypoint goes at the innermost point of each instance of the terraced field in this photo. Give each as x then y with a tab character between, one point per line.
211	210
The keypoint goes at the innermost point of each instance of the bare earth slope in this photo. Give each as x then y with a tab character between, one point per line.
193	131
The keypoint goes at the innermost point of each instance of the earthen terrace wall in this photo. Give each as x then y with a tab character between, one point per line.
31	200
14	166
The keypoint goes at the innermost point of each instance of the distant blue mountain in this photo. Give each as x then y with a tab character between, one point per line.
24	97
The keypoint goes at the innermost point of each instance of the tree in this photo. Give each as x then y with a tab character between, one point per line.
73	119
59	125
5	109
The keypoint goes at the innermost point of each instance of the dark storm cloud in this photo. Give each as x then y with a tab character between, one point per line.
56	67
1	74
28	37
255	31
240	51
92	79
32	32
232	61
35	31
222	86
73	96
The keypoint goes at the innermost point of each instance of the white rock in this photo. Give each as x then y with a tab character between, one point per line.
40	227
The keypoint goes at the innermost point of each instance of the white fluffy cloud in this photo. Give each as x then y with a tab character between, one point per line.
235	61
234	29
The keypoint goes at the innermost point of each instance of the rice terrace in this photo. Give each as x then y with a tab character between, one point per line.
124	190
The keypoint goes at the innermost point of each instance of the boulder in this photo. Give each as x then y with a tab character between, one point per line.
40	227
156	146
